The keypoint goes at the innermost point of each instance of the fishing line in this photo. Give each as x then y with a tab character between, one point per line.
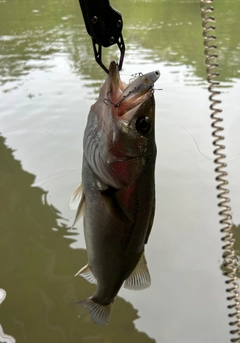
107	101
116	105
195	141
229	256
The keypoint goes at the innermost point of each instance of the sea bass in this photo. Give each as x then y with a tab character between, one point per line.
117	194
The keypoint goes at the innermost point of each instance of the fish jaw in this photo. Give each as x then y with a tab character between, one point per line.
133	150
122	97
134	136
113	85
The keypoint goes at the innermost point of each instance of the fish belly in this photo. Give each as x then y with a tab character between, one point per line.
116	227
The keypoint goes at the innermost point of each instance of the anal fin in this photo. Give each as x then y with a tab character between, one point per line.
140	277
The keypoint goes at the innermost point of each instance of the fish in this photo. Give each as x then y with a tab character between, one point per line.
117	195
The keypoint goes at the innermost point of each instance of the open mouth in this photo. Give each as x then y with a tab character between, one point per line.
124	97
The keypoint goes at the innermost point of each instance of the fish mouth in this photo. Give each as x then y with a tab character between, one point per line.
124	97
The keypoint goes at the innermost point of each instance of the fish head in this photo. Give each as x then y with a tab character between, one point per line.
122	124
134	132
132	147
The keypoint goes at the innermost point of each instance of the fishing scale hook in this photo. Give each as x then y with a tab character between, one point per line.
104	24
229	254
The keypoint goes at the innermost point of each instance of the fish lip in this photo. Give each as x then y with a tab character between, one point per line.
113	68
114	79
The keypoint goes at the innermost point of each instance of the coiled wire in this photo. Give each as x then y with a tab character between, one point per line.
229	255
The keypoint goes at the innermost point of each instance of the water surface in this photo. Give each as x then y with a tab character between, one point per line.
48	81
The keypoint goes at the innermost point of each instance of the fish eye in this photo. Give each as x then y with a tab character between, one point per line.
143	125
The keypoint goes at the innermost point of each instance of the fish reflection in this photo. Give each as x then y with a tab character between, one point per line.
117	195
3	336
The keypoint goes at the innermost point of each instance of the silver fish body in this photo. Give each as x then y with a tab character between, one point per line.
118	191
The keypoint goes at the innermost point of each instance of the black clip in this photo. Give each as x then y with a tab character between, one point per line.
104	24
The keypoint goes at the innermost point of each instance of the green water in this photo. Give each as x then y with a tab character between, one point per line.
48	81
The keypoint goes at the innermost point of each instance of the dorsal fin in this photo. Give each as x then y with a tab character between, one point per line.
139	278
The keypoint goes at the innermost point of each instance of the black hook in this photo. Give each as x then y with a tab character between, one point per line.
104	24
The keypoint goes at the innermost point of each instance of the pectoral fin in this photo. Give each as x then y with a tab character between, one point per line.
76	197
139	278
87	274
114	206
80	210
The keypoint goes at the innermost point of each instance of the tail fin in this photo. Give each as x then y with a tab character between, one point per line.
100	313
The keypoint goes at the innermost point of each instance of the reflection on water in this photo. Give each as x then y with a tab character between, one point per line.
48	81
3	336
31	32
38	270
236	247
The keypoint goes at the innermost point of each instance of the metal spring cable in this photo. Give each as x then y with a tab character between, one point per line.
229	255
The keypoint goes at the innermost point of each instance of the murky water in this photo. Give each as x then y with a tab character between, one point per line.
49	79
